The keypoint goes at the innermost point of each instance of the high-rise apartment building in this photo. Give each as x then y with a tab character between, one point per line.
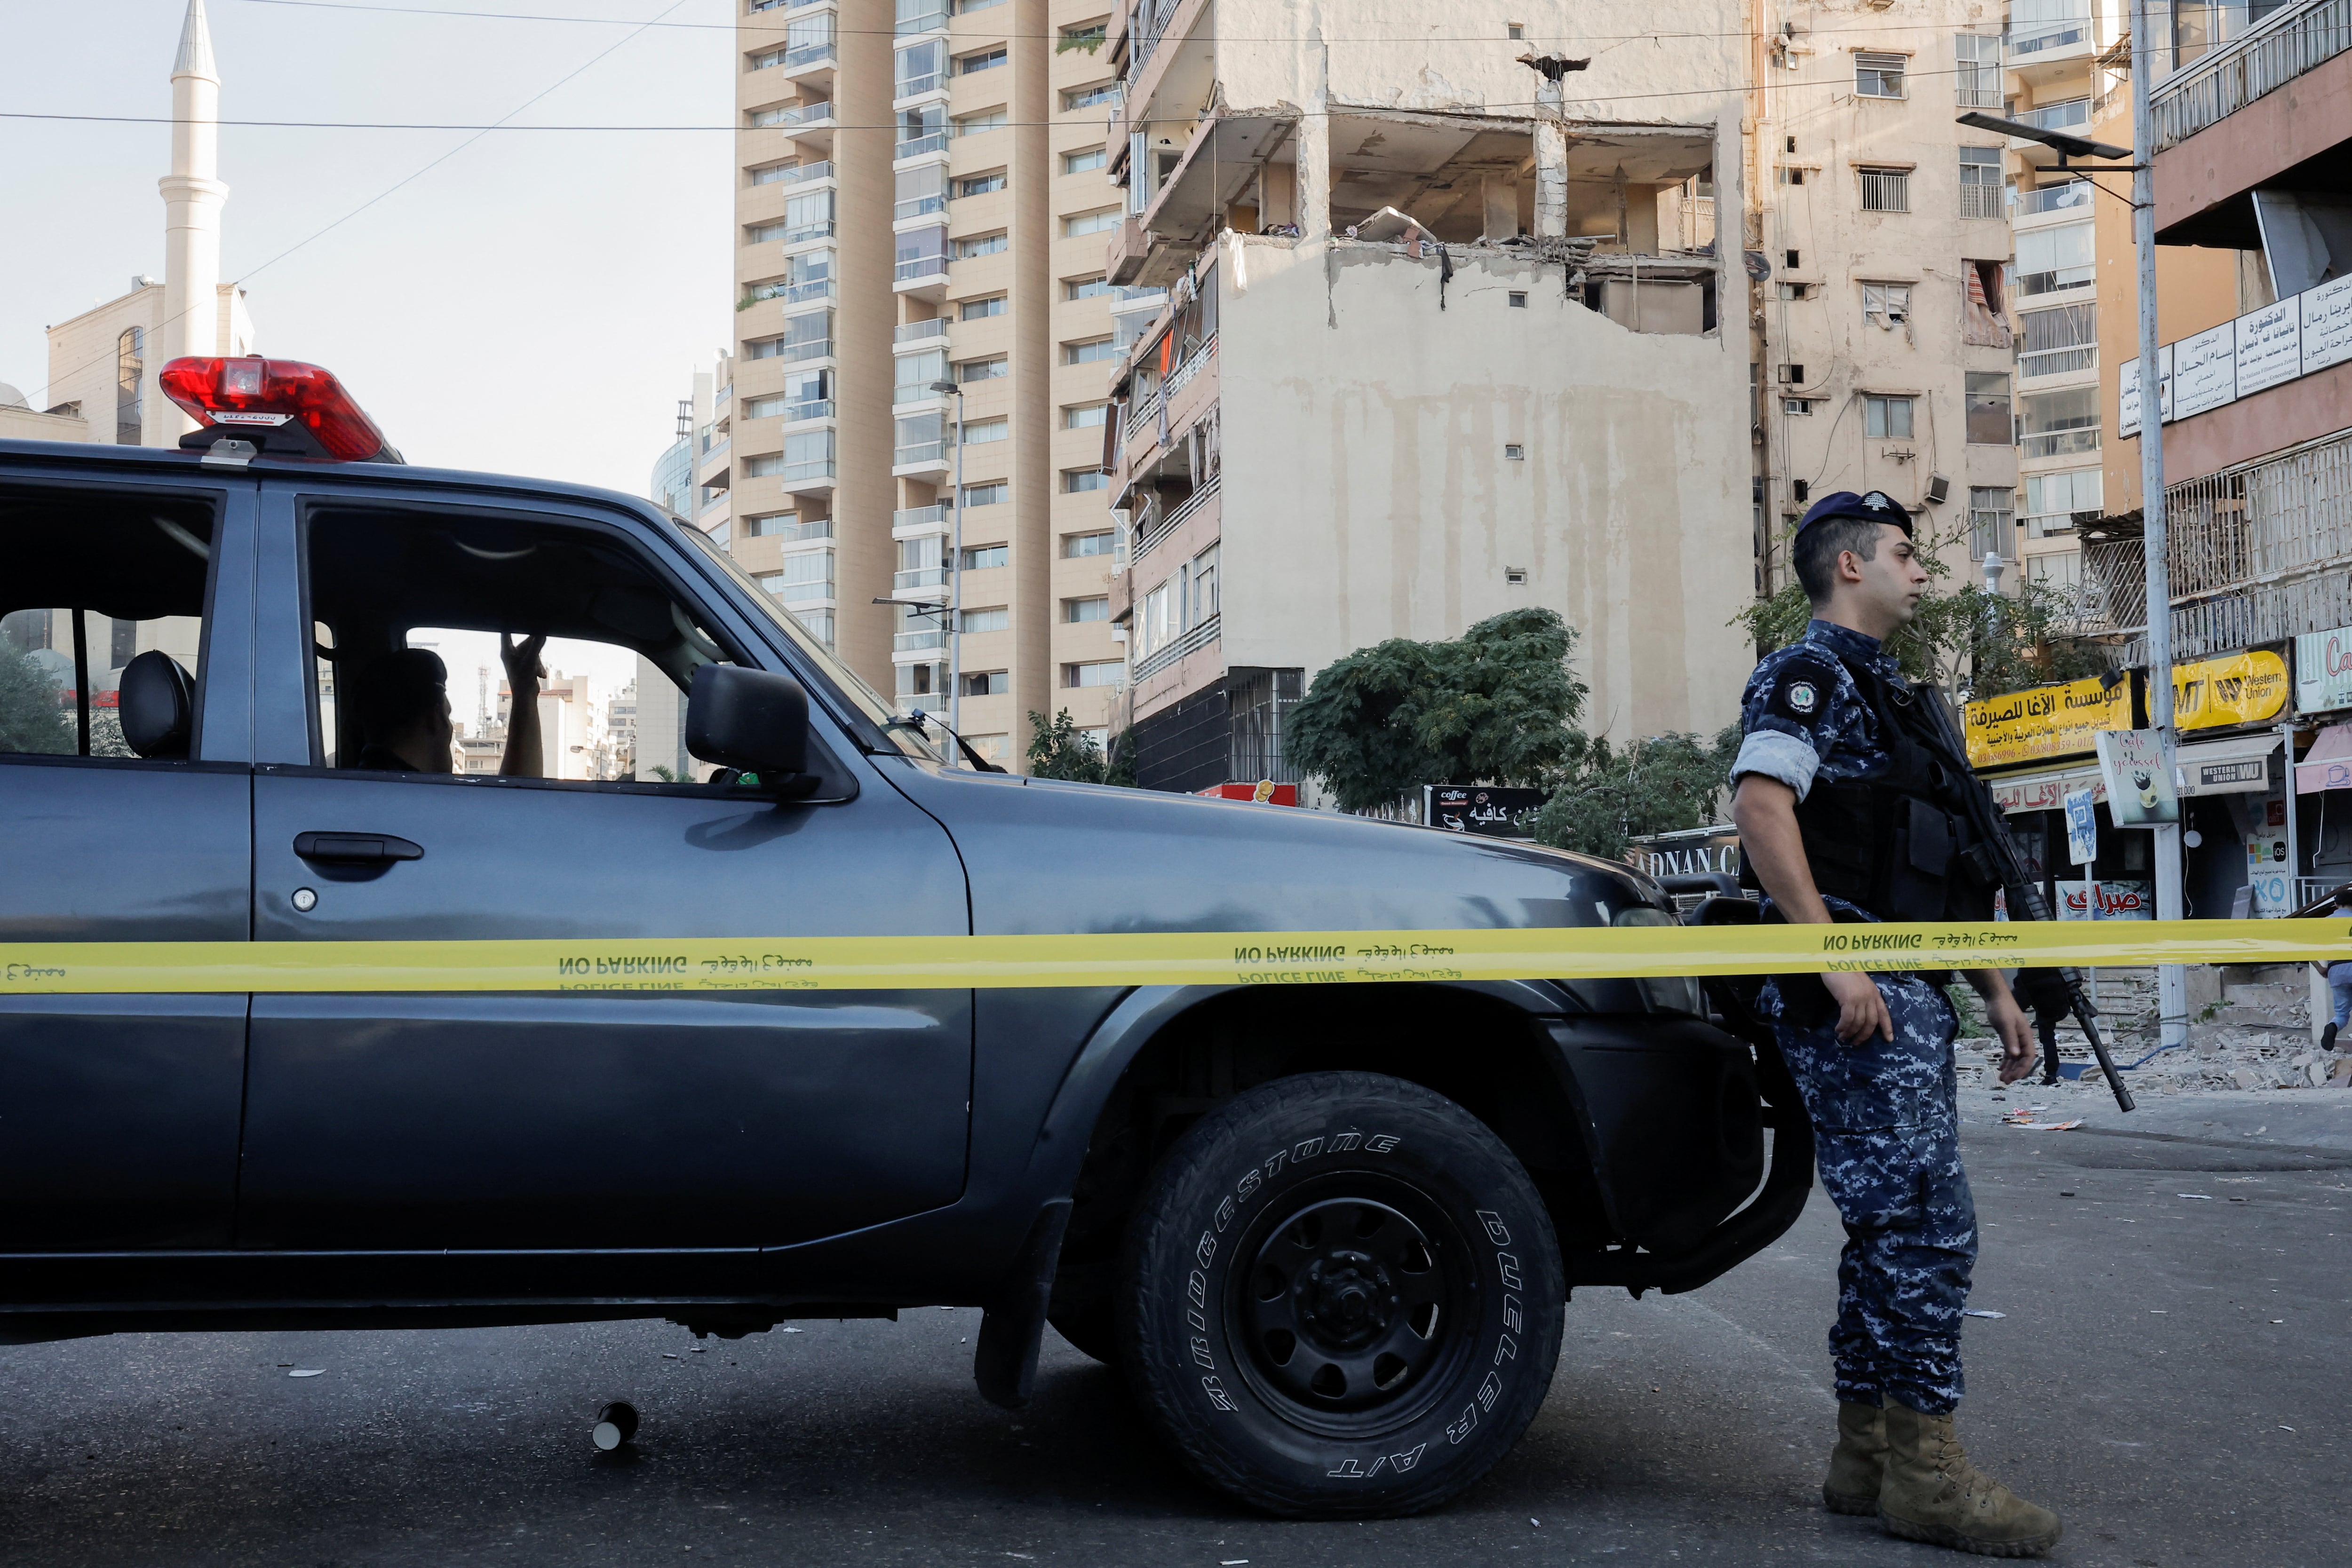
1882	337
923	201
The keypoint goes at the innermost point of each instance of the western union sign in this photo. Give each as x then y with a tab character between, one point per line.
2045	722
2243	688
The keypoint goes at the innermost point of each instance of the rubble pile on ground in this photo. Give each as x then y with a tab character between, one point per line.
2249	1036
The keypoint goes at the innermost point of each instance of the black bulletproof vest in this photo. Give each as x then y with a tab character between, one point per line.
1904	844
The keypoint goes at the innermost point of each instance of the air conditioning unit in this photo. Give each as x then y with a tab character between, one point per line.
1939	489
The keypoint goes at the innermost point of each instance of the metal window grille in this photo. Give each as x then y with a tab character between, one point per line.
1886	190
2055	342
1981	187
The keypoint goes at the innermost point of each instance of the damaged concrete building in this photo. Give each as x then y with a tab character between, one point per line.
1425	318
1434	346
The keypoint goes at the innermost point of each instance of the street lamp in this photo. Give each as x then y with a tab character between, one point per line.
2172	980
955	569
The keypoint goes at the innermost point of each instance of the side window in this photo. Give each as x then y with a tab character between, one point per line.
454	644
102	608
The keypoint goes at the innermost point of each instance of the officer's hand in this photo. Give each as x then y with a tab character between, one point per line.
1862	1011
522	659
2018	1051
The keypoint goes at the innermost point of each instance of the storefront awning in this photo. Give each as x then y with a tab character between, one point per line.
2234	765
2328	764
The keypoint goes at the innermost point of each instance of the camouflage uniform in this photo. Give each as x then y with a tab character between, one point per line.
1884	1113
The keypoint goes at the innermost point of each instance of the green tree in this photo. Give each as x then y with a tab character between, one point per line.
1971	642
1497	704
1664	784
30	718
1058	748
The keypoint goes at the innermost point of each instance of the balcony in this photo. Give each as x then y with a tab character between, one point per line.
1159	658
912	522
2282	47
918	331
916	87
817	474
805	233
923	458
936	142
1160	527
925	272
917	19
801	175
811	408
921	206
809	57
794	116
2074	198
916	392
759	6
921	577
2057	363
917	642
2063	38
2059	442
813	349
814	292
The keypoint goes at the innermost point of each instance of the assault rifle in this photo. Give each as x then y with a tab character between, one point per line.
2024	893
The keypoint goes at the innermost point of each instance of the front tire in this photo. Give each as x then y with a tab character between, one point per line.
1340	1297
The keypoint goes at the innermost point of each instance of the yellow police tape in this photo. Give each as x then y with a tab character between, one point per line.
1140	958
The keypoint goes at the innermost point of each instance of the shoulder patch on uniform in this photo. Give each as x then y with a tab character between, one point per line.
1802	689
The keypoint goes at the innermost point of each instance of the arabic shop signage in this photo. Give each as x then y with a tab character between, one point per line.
2323	671
1487	810
2243	688
2046	721
2298	336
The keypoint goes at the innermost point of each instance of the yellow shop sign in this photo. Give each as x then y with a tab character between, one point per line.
2243	688
2044	722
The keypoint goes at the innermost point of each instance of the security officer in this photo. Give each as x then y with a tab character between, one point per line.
1848	810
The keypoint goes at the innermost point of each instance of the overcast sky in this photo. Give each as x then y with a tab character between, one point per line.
536	305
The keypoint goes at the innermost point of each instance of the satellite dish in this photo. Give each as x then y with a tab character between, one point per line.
1758	268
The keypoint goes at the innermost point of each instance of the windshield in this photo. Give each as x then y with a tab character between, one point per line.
871	705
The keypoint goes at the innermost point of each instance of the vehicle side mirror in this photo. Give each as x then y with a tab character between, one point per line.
752	721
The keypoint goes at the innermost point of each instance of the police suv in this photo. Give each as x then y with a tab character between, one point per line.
1327	1233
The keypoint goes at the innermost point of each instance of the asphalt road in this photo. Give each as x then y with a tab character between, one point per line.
2170	1374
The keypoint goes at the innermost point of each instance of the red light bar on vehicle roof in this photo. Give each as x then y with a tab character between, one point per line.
285	408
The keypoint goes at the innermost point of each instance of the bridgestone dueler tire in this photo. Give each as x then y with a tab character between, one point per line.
1341	1205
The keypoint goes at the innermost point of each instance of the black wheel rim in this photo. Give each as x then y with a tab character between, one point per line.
1350	1304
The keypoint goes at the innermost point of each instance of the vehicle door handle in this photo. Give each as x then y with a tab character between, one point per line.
355	849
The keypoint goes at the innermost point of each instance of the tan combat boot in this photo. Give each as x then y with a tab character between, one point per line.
1858	1461
1932	1494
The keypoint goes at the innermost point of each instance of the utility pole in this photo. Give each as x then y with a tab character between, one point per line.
2171	979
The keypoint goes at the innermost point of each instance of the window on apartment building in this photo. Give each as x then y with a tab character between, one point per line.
923	128
1087	287
1887	418
1086	416
983	370
762	234
1792	176
1988	522
981	185
986	683
987	59
922	562
920	438
1795	290
981	432
1980	189
2053	343
1988	419
2052	499
1079	162
1075	546
995	492
1084	36
766	59
980	309
1088	97
808	575
2054	258
982	558
1797	405
922	66
1079	611
1204	603
1105	673
1886	305
1977	83
1091	223
921	190
1089	353
1878	75
986	119
985	245
966	8
2054	424
911	375
808	216
769	174
996	618
808	275
808	454
1886	190
921	680
1078	481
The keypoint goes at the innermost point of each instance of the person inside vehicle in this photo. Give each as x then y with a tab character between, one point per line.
401	706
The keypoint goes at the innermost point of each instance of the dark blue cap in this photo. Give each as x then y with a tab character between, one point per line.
1871	506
